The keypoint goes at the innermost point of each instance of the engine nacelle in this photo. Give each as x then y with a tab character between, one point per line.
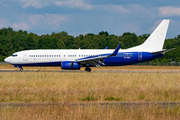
70	65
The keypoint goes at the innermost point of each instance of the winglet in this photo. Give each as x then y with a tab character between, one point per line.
115	51
106	48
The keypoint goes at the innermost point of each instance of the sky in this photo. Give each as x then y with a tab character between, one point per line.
90	16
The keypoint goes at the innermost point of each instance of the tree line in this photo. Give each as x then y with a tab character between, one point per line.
12	41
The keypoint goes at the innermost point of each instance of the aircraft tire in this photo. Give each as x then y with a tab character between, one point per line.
21	70
88	69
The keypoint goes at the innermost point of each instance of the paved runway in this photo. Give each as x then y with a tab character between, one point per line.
79	71
92	104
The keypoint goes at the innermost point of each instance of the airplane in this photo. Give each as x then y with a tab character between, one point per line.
74	59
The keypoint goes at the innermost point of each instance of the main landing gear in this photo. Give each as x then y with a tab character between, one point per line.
87	69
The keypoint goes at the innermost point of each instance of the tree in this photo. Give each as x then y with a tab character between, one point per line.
30	43
129	40
104	33
18	41
60	44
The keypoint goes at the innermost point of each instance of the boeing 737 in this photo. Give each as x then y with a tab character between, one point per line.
74	59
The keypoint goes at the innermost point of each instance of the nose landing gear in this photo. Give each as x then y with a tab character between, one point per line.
21	69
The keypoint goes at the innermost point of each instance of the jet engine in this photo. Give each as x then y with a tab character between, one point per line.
70	65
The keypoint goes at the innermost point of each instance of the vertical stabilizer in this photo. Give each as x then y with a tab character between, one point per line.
155	41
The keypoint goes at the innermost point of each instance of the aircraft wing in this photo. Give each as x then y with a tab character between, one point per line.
163	51
96	60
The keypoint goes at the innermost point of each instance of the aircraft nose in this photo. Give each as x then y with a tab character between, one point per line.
6	60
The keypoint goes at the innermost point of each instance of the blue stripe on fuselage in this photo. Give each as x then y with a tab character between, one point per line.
127	58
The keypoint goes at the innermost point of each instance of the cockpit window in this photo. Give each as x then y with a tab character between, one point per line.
14	55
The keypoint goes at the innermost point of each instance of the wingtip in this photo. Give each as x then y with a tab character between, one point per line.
116	50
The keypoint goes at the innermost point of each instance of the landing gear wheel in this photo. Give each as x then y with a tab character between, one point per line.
21	69
87	69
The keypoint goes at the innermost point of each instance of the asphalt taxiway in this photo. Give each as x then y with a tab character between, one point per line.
94	104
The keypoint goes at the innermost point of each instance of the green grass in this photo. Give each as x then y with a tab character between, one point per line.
110	98
89	97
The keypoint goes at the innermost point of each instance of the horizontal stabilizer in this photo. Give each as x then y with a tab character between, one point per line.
163	51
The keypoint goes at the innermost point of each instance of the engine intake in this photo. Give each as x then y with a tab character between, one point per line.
70	65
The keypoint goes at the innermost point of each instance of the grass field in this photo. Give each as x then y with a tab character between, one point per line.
38	87
78	87
89	113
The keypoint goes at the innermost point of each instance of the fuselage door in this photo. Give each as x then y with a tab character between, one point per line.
25	56
139	55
